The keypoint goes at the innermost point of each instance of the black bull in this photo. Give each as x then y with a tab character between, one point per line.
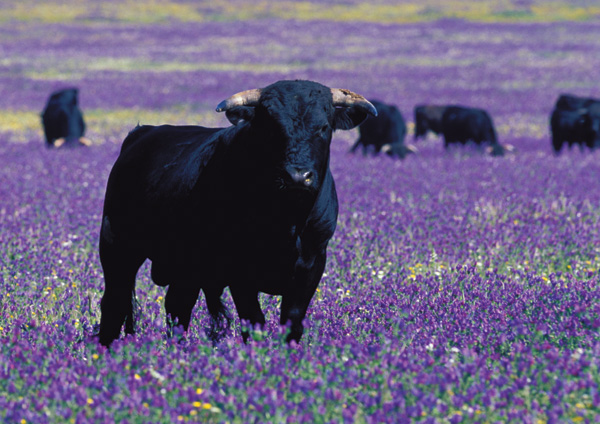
252	207
461	124
63	120
385	132
458	124
575	120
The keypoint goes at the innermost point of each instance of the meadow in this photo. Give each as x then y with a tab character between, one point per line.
460	288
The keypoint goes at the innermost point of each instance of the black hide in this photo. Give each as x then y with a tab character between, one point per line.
62	118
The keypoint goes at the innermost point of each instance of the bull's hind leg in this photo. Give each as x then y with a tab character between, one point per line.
219	316
179	302
118	303
248	307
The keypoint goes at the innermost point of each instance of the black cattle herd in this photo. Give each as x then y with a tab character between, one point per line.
574	120
253	206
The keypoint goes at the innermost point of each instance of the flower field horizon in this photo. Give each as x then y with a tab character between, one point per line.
459	288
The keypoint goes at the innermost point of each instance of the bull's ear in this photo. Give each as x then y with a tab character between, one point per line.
239	114
346	118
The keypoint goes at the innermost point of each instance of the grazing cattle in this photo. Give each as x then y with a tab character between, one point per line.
575	120
428	118
458	124
463	124
386	132
63	121
251	206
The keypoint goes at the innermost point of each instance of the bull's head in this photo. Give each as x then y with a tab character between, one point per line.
294	121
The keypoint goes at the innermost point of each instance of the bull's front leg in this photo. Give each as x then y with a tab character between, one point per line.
179	302
294	304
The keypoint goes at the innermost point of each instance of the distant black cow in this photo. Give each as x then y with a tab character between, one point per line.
386	131
575	120
428	118
251	206
458	124
63	121
571	127
462	124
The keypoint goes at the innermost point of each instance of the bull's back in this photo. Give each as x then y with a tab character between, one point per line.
154	174
165	151
570	102
164	139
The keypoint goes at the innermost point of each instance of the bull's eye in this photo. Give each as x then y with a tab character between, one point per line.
324	130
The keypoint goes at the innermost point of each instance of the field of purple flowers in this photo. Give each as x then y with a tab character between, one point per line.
460	288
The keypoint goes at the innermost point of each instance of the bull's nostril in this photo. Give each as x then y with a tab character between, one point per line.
308	178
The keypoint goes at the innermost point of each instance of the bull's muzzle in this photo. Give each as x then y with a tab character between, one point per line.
300	177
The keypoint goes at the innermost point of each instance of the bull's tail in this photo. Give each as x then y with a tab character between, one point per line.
497	149
132	318
492	137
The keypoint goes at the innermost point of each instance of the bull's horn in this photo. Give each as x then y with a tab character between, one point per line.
243	98
347	98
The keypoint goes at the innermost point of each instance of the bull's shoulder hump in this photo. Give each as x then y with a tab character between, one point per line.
165	135
169	158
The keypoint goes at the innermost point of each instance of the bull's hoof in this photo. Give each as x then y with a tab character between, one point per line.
85	141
